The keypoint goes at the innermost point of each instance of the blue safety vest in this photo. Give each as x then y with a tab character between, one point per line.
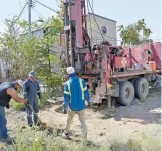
81	86
75	95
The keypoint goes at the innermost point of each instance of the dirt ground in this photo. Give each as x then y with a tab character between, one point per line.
122	122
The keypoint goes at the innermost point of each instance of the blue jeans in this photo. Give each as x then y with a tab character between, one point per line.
3	122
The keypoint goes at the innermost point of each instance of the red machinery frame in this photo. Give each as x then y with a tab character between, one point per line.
112	64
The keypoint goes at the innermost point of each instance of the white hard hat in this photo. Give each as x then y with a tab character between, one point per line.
70	70
20	82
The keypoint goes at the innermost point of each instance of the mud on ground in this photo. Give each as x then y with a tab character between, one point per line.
122	122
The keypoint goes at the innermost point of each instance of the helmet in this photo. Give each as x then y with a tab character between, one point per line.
70	70
32	74
20	82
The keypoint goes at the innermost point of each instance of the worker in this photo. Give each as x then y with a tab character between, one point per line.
75	95
8	90
31	90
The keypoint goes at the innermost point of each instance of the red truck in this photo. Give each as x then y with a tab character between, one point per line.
126	73
112	73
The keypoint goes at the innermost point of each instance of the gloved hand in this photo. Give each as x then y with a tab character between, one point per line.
64	111
89	105
28	102
7	106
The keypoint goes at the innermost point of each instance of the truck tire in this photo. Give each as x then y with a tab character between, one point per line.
126	93
141	88
133	81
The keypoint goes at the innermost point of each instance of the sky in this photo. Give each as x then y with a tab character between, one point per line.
123	11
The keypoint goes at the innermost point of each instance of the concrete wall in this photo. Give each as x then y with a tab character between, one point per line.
110	35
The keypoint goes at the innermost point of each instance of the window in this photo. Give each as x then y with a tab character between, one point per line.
8	73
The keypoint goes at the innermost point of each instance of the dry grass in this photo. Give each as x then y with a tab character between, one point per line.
146	141
34	140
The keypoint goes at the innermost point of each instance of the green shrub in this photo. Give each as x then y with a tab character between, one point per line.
20	106
16	106
43	101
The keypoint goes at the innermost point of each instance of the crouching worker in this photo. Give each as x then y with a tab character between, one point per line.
8	90
31	90
75	95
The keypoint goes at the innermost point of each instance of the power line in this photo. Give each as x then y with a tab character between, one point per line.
47	7
39	13
89	21
99	38
99	33
21	12
20	4
93	5
97	23
95	19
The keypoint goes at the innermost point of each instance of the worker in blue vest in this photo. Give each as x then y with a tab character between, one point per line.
31	91
8	90
75	95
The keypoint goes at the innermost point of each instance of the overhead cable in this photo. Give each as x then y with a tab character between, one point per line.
39	13
93	5
19	3
89	22
47	7
21	12
99	33
95	20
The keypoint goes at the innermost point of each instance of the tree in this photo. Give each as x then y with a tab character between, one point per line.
136	33
24	54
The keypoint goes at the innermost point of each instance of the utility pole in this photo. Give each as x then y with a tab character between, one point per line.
29	17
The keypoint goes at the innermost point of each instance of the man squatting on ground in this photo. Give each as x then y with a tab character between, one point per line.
8	90
75	95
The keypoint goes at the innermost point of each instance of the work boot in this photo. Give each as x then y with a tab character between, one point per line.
30	124
66	135
7	140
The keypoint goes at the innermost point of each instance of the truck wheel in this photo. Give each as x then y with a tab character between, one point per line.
132	81
141	88
126	93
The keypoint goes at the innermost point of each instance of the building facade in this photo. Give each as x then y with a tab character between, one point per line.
100	28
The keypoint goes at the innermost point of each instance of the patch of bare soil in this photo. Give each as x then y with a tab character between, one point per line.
103	125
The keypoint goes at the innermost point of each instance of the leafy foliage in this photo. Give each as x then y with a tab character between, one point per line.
23	53
135	33
20	106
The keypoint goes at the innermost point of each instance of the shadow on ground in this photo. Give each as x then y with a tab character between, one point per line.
145	111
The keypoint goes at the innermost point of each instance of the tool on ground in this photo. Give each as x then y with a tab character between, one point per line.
42	126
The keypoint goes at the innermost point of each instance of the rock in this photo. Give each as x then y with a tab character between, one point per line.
101	134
